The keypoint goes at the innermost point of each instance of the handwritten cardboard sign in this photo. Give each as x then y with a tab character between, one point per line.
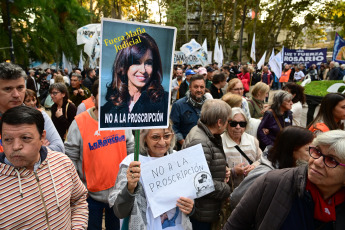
181	174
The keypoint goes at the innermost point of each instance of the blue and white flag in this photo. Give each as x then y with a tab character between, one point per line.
339	49
190	47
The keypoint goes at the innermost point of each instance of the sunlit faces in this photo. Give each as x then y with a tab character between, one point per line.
22	144
197	89
286	105
30	101
158	141
236	132
339	111
139	73
323	176
12	93
302	153
238	89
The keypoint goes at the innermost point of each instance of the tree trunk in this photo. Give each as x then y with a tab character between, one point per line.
233	23
242	28
286	9
201	21
186	25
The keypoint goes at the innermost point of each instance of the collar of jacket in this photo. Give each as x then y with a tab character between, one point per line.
215	138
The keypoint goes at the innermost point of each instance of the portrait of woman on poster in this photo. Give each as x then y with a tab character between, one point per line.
137	76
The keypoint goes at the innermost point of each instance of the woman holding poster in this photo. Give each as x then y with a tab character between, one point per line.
129	197
135	94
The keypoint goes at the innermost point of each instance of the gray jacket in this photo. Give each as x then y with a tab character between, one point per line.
74	150
133	205
207	208
264	167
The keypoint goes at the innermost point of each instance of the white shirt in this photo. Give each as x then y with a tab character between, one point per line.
298	75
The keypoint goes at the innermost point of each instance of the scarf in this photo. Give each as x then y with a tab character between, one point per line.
194	103
324	210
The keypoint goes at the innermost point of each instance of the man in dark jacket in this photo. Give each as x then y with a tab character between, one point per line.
185	112
184	87
90	78
77	92
333	71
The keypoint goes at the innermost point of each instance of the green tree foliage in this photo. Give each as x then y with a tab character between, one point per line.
42	29
333	14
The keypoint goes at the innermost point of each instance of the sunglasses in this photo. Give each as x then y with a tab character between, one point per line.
329	161
242	124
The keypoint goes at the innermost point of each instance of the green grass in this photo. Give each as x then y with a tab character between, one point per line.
318	88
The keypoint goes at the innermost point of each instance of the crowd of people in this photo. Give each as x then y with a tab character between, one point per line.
269	169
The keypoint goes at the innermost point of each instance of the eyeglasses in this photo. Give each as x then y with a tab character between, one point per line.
238	89
329	161
242	124
54	93
166	137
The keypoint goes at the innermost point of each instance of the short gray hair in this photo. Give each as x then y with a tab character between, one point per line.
9	71
278	100
142	140
335	139
237	110
77	75
213	110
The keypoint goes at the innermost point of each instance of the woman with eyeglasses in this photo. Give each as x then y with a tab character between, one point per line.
62	111
129	197
310	196
241	149
214	118
275	119
235	86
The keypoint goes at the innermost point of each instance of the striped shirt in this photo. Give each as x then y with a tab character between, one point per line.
53	197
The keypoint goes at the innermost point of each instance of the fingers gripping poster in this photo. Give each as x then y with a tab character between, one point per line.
135	75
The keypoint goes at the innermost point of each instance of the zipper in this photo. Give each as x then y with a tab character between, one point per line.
42	198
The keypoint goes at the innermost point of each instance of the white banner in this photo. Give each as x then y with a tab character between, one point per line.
85	33
190	47
184	173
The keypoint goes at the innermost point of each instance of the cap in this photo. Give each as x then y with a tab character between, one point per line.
189	72
202	70
210	69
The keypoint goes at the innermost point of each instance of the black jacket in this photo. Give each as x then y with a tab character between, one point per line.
184	87
207	208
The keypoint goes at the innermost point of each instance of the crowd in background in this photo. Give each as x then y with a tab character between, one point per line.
244	132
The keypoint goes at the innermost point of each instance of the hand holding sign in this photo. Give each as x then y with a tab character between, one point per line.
133	175
185	205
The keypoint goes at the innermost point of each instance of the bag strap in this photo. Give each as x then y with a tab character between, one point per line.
278	122
243	154
66	110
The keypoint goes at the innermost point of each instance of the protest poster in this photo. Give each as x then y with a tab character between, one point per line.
198	58
305	56
135	74
339	49
181	174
